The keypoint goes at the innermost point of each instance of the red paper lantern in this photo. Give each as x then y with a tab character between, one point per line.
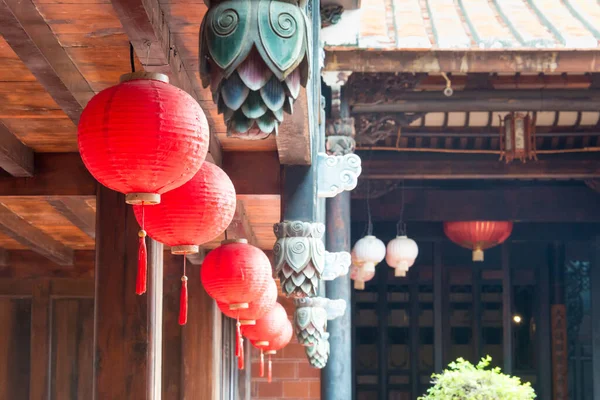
190	215
268	326
143	137
236	273
275	343
256	309
194	213
478	235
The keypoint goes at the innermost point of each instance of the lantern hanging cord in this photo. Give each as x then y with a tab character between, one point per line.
369	216
131	57
401	225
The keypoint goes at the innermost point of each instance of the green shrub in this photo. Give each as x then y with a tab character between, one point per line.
462	380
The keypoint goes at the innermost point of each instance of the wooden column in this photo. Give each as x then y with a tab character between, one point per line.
544	331
438	301
337	375
595	290
127	327
507	310
201	344
339	131
558	320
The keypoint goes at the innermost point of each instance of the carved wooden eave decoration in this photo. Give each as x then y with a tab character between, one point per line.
331	14
255	55
383	87
372	128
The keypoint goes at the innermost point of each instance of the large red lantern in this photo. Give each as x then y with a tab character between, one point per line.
274	344
190	215
143	137
478	235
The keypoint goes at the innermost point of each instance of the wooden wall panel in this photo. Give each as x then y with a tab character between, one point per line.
72	349
15	328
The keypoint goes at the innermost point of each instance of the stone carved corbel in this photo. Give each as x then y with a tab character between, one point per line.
255	55
310	320
319	353
299	257
337	174
335	308
336	265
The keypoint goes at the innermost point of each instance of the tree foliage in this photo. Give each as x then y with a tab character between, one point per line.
465	381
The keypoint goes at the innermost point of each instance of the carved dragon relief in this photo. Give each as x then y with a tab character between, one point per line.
372	128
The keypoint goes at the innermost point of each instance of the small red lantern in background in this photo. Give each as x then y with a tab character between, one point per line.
266	329
478	235
275	343
236	273
190	215
143	137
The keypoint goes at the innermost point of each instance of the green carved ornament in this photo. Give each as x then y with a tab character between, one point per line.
254	55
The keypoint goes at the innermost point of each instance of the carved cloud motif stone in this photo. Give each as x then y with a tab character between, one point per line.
299	256
337	174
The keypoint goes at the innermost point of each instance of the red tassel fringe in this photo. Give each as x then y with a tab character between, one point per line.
142	272
241	357
262	364
270	373
183	301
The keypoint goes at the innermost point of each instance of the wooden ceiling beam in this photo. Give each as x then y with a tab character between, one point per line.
485	100
23	232
30	37
240	227
528	204
440	166
15	157
438	61
78	212
64	174
148	30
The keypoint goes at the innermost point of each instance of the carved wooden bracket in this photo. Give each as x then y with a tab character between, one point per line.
331	14
337	174
254	55
336	265
372	128
299	257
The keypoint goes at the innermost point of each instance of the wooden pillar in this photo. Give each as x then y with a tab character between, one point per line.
595	290
202	348
507	310
337	375
127	327
558	320
544	387
438	301
339	131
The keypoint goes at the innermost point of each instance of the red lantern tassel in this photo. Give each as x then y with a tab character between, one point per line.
270	373
183	301
262	364
241	357
238	341
142	272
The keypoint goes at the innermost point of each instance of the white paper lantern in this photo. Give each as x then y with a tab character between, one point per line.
359	276
367	253
401	254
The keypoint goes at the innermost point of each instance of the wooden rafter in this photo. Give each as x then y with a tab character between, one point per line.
78	212
421	166
49	180
148	30
28	34
15	157
23	232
